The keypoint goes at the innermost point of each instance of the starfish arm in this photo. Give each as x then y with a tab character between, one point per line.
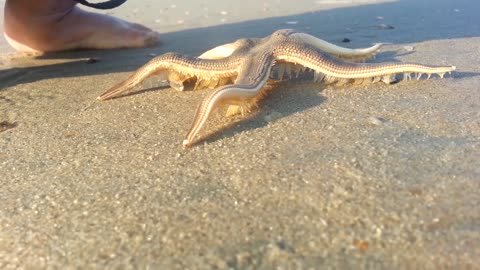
175	67
313	58
340	52
228	49
219	52
252	77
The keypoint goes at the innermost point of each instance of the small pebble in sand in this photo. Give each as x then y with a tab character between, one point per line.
385	26
4	125
92	60
375	121
223	12
360	245
409	48
180	21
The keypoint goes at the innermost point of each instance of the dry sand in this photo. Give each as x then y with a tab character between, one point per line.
359	177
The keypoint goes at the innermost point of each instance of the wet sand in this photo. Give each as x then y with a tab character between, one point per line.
354	177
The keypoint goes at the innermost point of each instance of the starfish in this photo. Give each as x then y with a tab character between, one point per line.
240	72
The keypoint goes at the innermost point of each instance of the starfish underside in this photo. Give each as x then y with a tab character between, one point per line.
239	72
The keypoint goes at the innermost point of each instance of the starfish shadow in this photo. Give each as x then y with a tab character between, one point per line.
462	75
287	98
143	91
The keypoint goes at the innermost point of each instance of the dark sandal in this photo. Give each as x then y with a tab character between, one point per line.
103	5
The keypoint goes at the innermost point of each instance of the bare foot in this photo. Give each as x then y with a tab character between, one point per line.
57	25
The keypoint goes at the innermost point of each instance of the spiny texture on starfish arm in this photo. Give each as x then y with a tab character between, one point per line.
239	72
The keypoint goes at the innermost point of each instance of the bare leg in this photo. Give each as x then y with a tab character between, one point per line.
56	25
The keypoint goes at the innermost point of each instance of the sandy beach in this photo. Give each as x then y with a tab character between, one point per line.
319	177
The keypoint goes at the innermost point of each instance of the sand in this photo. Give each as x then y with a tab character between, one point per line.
355	177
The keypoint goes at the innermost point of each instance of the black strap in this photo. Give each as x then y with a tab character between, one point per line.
103	5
